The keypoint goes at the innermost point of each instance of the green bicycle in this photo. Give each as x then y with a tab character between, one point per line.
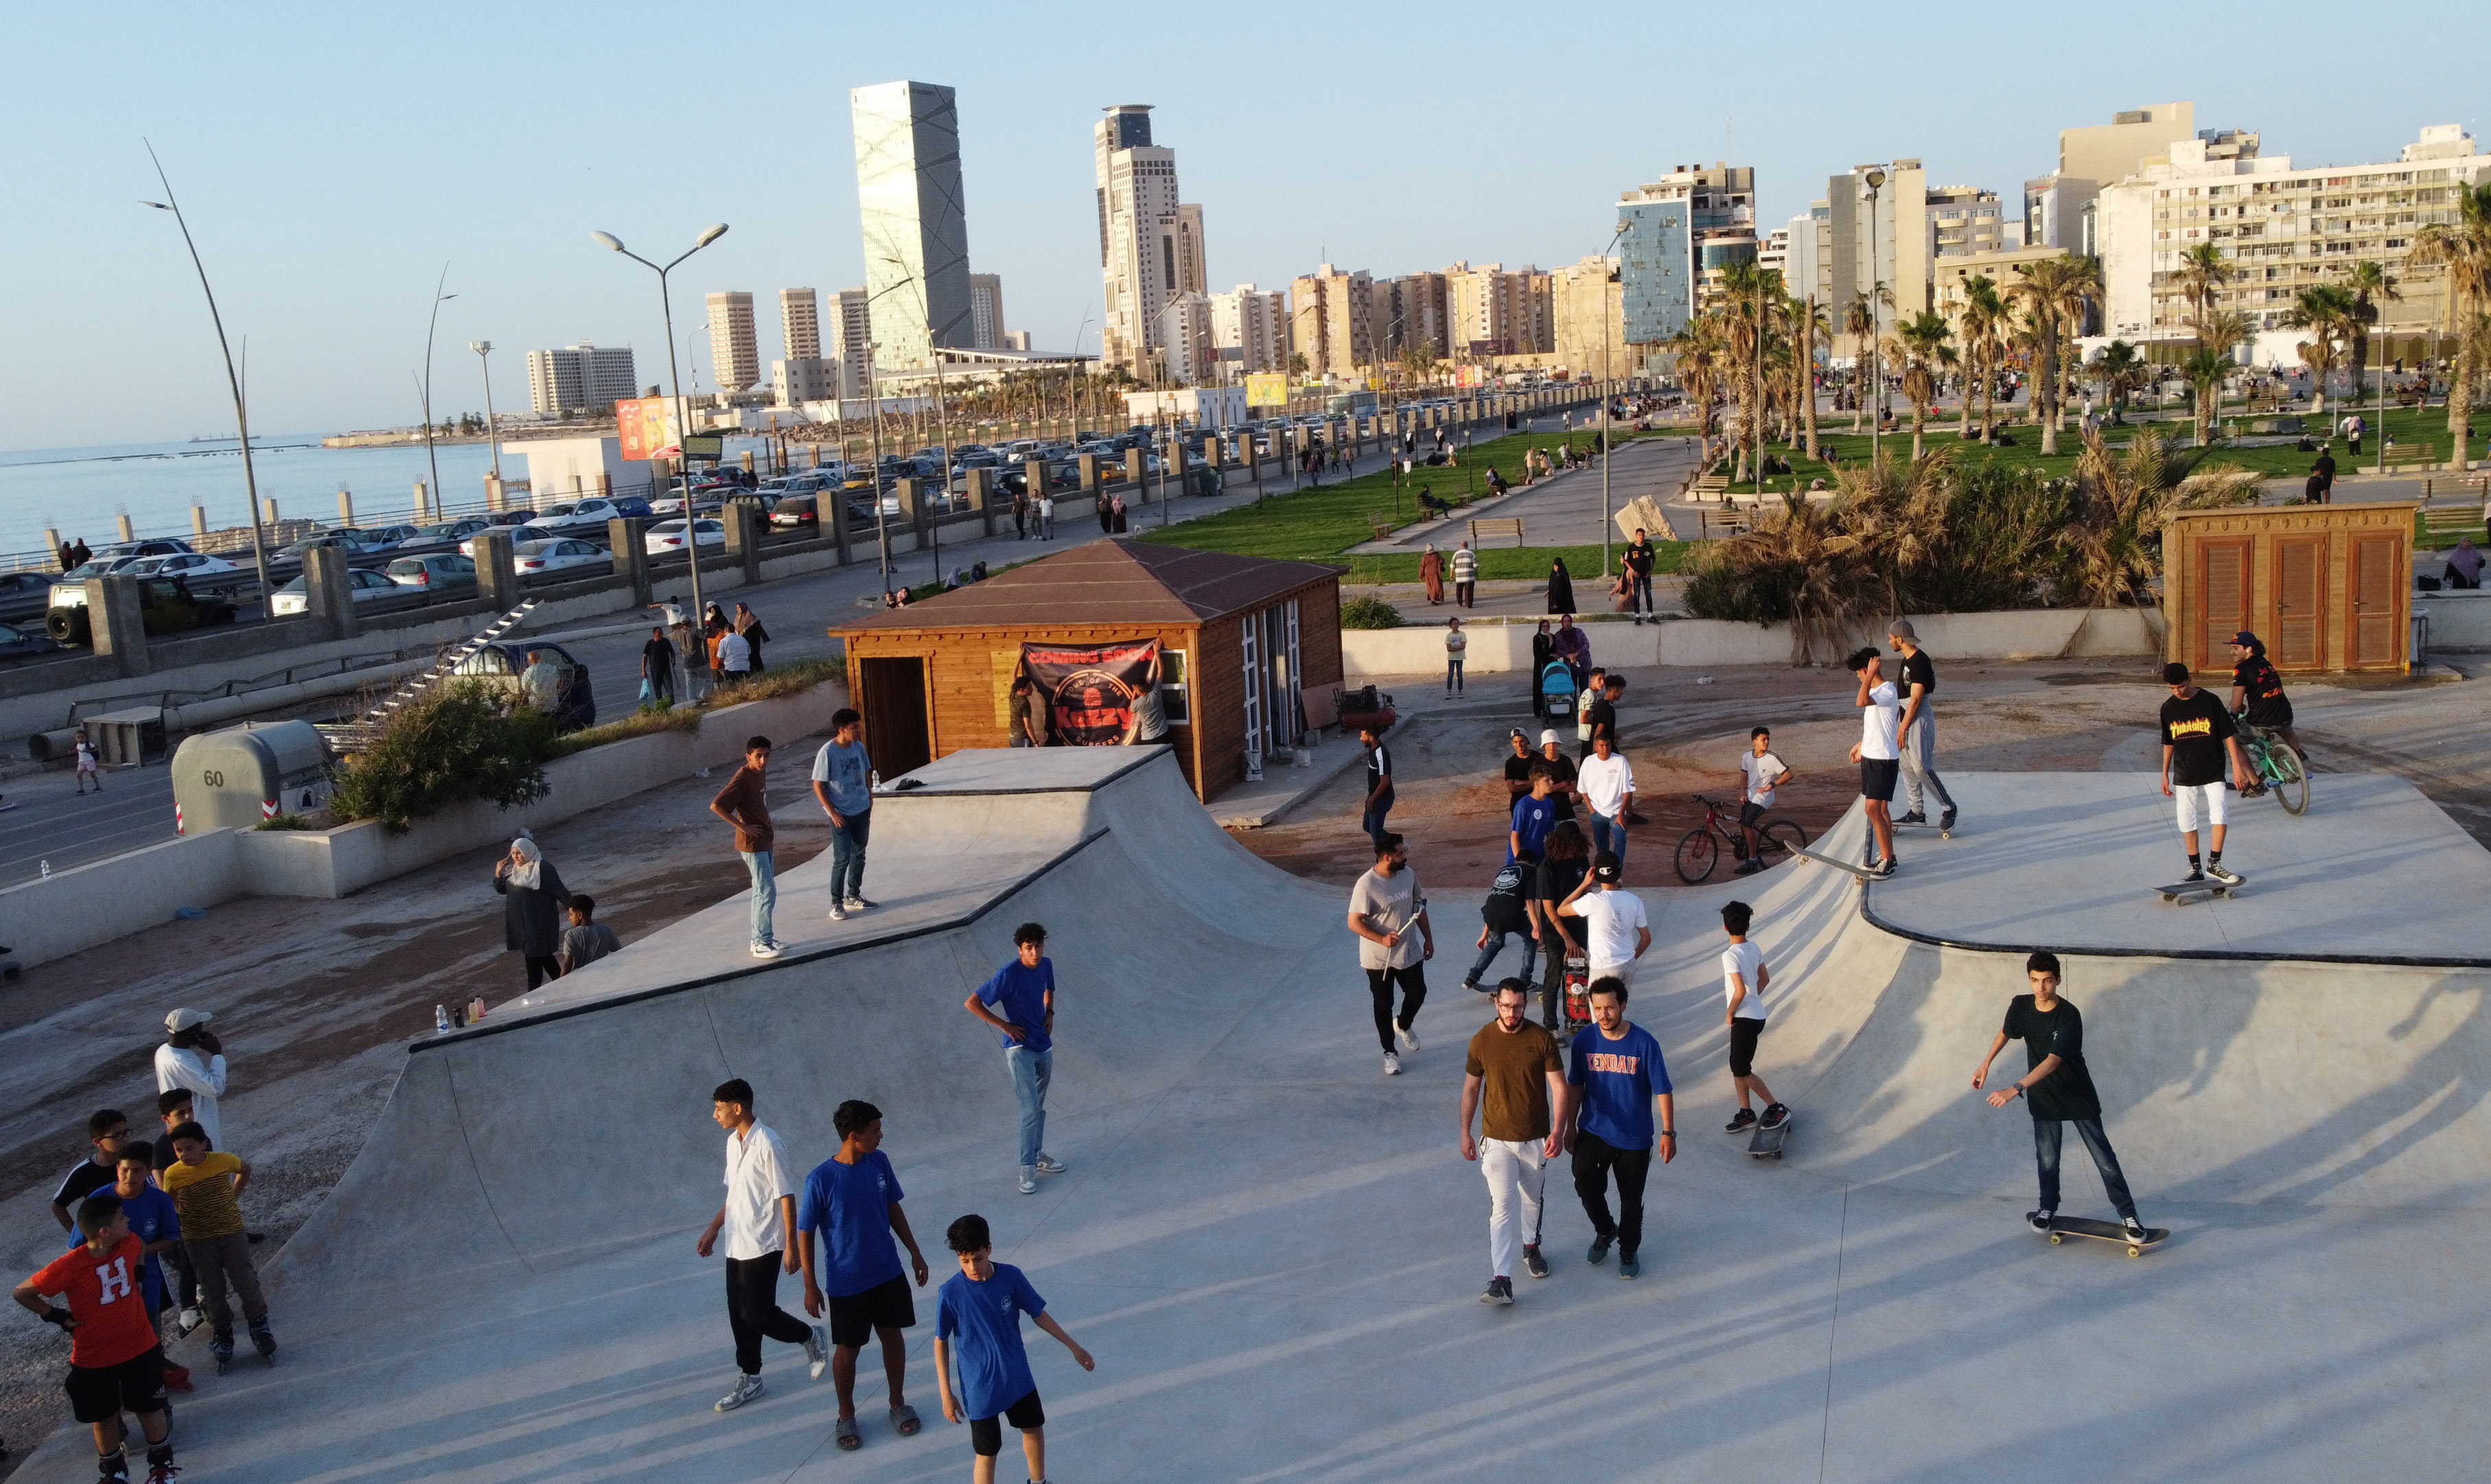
2277	767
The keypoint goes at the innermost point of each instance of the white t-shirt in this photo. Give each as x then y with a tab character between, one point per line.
1611	921
1763	771
1742	960
756	1176
1385	903
1604	783
1456	641
734	651
1879	722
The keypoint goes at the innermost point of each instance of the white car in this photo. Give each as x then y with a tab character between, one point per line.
666	538
520	535
587	516
188	565
531	558
361	582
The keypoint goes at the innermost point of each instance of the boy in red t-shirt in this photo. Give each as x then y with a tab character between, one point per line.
115	1360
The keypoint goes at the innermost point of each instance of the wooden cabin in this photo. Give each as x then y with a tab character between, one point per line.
2327	587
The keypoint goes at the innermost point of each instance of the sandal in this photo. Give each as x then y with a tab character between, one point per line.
905	1418
850	1439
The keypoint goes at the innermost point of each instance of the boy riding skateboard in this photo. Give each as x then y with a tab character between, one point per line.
2060	1090
2197	731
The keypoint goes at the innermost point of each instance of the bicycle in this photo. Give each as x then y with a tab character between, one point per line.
2278	767
1776	841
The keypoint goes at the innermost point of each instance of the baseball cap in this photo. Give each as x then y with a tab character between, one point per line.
2245	640
1519	732
1901	628
1606	868
184	1020
1548	735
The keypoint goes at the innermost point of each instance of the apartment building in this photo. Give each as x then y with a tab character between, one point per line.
578	377
1655	266
1720	223
799	379
1492	310
1411	312
1588	301
1965	219
1186	354
986	330
2058	207
1151	245
1249	330
734	348
852	343
1331	320
1876	236
800	324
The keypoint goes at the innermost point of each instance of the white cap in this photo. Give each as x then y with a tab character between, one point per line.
1548	735
184	1020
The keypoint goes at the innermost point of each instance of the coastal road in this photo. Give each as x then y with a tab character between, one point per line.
46	820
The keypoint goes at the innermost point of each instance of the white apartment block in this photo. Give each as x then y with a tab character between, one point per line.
1151	244
852	343
801	379
578	377
1249	330
800	323
987	311
1186	354
1963	220
2282	229
734	349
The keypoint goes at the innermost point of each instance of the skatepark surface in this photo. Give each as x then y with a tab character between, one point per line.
1275	1252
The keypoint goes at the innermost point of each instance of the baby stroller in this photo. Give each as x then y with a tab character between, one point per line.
1557	691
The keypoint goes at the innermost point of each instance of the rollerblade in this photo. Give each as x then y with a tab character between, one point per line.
264	1342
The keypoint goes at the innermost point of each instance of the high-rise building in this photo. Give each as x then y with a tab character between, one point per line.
2057	206
852	342
1806	270
1774	253
800	323
578	377
734	349
987	310
1150	242
1491	311
1331	320
1655	266
1591	333
1185	352
1963	220
1721	216
1409	313
1890	252
1249	330
915	219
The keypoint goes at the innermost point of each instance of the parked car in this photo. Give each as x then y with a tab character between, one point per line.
24	594
509	517
533	559
575	519
448	532
69	590
501	664
438	573
632	507
24	641
350	542
361	582
796	513
519	536
204	575
666	538
392	538
166	605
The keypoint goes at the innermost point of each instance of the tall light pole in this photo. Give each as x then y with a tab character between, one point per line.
438	299
942	413
674	372
1876	320
241	415
1608	522
484	350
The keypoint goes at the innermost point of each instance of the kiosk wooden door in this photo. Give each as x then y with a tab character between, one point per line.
2296	630
892	701
2222	600
2378	563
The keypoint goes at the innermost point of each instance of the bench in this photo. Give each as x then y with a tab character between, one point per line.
1720	523
2411	459
2451	519
1717	486
1482	530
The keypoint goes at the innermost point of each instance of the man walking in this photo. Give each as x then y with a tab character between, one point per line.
658	668
1918	727
1601	711
1617	931
2197	731
1046	516
756	1217
1640	559
1379	783
1878	752
1383	907
1025	989
745	803
1620	1082
1465	576
2058	1089
843	785
1607	783
852	1199
1514	1069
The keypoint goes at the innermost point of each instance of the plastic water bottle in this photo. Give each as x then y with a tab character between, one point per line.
48	870
441	1020
873	784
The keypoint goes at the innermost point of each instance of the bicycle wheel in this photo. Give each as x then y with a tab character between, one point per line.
1697	854
2285	775
1780	841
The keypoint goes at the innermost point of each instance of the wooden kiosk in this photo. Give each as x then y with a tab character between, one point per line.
2327	587
1241	640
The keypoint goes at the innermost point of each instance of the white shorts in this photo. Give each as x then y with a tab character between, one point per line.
2196	800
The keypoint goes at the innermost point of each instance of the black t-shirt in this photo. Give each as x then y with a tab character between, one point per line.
1517	769
2068	1092
1379	767
1639	559
1602	718
1918	671
2195	730
659	656
83	1181
1560	784
2264	698
1556	881
1503	911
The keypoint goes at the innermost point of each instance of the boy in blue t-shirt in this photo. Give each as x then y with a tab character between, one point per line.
1618	1081
1025	989
852	1199
976	1316
1534	814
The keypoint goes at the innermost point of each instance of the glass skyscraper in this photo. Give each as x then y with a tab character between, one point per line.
916	223
1657	269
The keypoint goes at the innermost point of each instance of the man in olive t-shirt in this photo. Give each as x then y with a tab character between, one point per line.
1516	1069
2059	1088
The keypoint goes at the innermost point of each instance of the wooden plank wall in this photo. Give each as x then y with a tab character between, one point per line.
2340	526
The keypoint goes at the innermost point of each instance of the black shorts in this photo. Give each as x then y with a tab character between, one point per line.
1744	1030
855	1317
99	1393
987	1433
1877	776
1751	814
2272	717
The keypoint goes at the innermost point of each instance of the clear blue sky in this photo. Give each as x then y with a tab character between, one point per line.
332	159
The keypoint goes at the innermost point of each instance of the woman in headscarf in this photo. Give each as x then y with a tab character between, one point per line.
1542	650
1431	571
2465	564
1575	647
533	897
748	624
1561	587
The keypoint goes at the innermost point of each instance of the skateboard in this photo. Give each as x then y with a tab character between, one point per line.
2104	1231
2199	890
1944	831
1766	1142
1577	981
1860	871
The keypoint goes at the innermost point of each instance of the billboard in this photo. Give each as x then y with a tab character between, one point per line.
643	426
1266	388
1099	695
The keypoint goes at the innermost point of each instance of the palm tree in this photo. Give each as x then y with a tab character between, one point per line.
1748	292
1919	345
1860	322
1700	358
2371	286
2122	374
2326	313
2203	270
1978	325
1807	321
2463	248
2052	294
2218	332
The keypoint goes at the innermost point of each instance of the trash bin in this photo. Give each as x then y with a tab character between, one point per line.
245	774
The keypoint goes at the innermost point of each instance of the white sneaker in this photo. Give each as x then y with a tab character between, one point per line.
839	912
747	1387
1029	1180
767	951
191	1319
817	1351
1392	1064
1409	1038
1048	1164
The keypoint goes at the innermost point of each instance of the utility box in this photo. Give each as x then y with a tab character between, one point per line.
248	773
2327	587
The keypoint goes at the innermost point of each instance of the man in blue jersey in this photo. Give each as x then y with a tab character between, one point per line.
1616	1081
1024	990
852	1199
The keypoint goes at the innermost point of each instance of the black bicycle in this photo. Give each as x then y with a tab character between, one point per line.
1776	841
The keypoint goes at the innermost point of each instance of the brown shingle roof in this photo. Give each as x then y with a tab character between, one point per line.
1114	581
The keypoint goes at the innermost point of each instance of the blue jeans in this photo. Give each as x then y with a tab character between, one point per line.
1372	820
765	892
1453	673
1639	596
1031	1071
847	856
2046	1153
1496	945
1609	836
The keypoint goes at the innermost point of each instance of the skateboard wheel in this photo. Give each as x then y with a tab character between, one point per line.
2136	1252
2054	1239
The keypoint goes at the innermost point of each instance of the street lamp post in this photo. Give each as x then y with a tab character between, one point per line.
1608	522
233	381
429	326
484	350
674	372
1876	321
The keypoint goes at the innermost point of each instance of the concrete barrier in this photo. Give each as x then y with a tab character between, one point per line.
2032	633
2458	620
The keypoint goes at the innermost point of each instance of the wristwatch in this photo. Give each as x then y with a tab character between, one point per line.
1669	1133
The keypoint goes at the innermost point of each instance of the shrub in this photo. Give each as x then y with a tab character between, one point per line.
453	745
1369	612
284	821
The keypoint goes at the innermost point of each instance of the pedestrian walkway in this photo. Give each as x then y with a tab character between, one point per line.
1565	510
